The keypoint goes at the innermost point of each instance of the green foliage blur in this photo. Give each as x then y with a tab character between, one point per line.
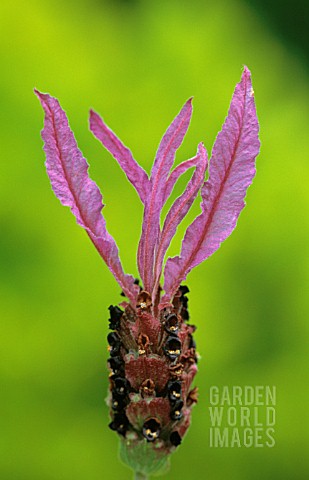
136	63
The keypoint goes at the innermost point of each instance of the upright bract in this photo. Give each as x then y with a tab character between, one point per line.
232	169
152	351
68	173
178	211
164	160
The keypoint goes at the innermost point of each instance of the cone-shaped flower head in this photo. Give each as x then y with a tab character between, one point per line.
152	353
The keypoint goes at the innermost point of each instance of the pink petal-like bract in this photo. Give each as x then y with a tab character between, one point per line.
136	175
68	173
232	168
179	209
164	160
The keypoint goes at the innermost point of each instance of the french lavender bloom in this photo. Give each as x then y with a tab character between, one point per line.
152	351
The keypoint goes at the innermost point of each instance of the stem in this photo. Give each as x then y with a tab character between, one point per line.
140	476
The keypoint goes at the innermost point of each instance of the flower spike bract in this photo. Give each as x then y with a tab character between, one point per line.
68	173
232	168
163	163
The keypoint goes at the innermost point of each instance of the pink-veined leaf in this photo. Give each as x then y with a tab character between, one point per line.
164	160
232	168
176	173
68	173
179	209
134	172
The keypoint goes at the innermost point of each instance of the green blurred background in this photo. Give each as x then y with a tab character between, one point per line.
137	62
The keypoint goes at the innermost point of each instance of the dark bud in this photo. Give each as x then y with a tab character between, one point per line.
115	351
121	386
192	343
174	391
116	364
184	289
172	348
175	439
185	314
115	344
120	423
119	403
176	413
171	324
151	429
115	314
184	301
113	339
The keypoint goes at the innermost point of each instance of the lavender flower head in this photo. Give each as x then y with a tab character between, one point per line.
152	351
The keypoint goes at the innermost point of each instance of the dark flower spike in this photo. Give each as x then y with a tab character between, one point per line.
153	358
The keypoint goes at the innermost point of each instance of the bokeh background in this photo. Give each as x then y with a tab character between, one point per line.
137	62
